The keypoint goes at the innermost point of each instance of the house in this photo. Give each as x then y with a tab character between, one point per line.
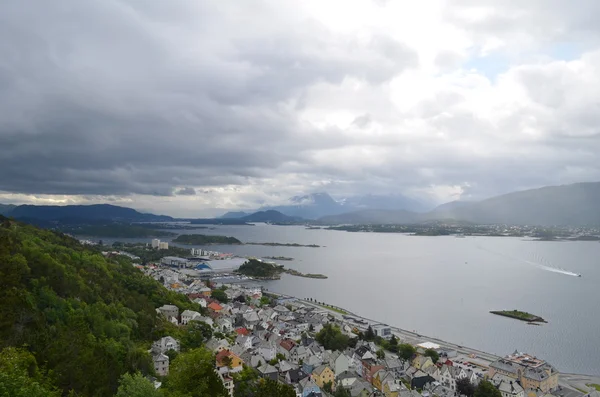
189	315
214	306
268	371
420	379
165	344
227	382
361	388
339	362
392	389
227	362
201	301
244	341
285	347
393	364
225	324
422	362
381	377
161	364
531	372
205	291
295	376
510	389
284	367
323	374
298	353
311	363
448	376
169	311
347	378
382	330
308	388
216	345
369	368
434	372
267	350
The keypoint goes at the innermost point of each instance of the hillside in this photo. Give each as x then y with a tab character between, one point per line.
84	213
567	205
270	216
5	209
88	320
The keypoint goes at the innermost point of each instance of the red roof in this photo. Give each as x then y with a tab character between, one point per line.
242	331
215	306
287	344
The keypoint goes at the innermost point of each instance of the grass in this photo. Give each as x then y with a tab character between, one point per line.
594	386
334	309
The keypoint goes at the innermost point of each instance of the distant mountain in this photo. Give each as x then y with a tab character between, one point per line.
234	214
386	202
574	205
310	206
373	216
5	209
270	216
84	213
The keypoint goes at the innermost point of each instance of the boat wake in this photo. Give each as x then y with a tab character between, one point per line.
536	264
552	269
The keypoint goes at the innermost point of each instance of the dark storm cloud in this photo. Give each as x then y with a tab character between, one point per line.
186	191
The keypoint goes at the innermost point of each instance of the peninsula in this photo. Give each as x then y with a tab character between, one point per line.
260	270
278	258
519	315
203	239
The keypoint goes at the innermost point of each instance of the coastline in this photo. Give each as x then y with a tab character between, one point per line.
575	382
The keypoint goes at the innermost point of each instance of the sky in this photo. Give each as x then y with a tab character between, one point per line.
189	107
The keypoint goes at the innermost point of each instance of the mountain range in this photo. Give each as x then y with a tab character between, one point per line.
575	205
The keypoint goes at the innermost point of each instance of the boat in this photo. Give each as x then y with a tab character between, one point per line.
579	275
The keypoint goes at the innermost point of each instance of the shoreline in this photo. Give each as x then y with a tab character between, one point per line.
568	380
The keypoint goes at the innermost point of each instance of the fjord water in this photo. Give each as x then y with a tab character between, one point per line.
444	287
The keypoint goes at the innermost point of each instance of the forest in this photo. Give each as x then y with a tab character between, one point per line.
73	323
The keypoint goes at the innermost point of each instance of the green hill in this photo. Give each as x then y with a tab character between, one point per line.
82	319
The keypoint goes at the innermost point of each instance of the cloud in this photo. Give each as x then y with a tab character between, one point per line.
148	103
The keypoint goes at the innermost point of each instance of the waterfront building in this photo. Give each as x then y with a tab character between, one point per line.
163	245
155	243
531	372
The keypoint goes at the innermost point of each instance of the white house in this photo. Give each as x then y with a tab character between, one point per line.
267	350
165	344
189	315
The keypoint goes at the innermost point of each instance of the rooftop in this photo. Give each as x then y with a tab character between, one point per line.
525	360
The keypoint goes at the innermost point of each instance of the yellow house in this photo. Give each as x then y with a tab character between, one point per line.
391	390
225	358
422	362
323	374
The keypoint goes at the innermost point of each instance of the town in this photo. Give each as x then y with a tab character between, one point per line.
321	350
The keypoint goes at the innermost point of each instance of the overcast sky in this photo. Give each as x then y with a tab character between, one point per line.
184	106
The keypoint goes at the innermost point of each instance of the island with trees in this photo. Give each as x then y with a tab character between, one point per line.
519	315
260	270
203	239
278	258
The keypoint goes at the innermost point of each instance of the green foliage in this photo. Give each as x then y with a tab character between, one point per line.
192	374
332	338
380	354
202	239
406	351
20	376
370	335
256	268
433	355
486	389
465	387
265	301
271	388
219	295
136	385
328	387
244	382
341	392
88	319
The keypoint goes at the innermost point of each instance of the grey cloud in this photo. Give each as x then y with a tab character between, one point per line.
186	191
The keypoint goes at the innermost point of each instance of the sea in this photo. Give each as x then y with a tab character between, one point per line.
445	286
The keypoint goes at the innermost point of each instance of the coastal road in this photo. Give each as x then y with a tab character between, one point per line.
572	384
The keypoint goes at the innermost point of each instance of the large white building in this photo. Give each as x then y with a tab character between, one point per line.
163	245
155	243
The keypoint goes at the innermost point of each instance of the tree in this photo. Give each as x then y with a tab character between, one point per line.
136	386
219	295
433	355
328	387
192	375
20	376
406	351
332	338
272	388
195	333
342	392
486	389
393	341
370	335
465	387
380	354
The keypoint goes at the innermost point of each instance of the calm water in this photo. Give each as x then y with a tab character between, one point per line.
445	286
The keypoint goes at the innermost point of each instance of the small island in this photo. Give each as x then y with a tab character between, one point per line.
260	270
278	258
519	315
203	239
286	245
